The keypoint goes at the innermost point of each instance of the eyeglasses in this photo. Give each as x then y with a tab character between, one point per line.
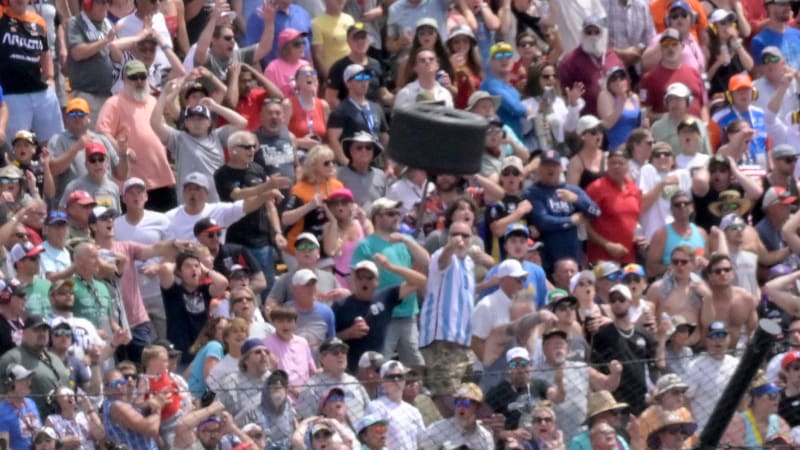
62	332
736	227
681	204
76	114
548	76
306	246
462	402
248	146
679	262
675	430
521	364
362	77
657	155
542	420
564	307
100	159
228	37
771	59
329	163
307	73
116	383
394	377
138	77
502	55
616	299
511	173
463	235
721	270
130	376
680	15
718	335
213	234
526	44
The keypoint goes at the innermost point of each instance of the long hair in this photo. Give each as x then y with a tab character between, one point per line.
235	324
473	58
317	154
636	137
206	334
407	74
533	86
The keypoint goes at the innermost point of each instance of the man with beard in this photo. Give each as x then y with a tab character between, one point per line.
775	32
671	69
277	148
85	339
240	391
498	82
462	430
32	353
632	346
589	62
125	118
367	183
68	160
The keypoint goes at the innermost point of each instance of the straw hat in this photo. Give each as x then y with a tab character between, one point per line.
668	419
602	401
730	201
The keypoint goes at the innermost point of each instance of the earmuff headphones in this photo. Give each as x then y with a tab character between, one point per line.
692	15
8	377
729	95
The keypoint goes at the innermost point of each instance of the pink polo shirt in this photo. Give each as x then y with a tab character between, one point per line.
128	285
294	357
282	74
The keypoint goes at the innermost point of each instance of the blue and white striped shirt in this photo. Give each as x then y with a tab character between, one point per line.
447	310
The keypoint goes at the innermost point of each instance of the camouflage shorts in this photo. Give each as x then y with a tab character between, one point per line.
447	364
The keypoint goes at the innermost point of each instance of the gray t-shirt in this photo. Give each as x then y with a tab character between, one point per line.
220	68
105	194
366	187
96	73
281	291
198	154
61	142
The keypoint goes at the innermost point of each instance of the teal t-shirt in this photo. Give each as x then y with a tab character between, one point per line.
37	296
92	302
197	382
397	253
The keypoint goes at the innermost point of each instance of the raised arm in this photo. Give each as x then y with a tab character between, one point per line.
265	43
413	280
157	122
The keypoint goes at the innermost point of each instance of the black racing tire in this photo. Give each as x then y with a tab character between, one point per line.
438	139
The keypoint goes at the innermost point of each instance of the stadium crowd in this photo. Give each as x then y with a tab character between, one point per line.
204	242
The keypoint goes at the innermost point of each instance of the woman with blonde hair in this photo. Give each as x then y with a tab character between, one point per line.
233	336
304	210
545	434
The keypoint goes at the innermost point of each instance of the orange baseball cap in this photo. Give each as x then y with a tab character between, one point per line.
78	104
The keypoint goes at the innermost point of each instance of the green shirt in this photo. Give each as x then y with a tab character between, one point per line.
92	302
48	372
38	297
398	254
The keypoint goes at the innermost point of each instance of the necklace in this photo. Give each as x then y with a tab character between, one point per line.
626	335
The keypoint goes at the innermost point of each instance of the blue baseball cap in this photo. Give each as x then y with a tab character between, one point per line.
251	344
680	4
56	216
368	421
518	229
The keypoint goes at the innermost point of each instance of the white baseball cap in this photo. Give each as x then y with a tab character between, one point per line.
511	268
303	276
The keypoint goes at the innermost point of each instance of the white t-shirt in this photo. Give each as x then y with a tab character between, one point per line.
407	96
405	422
150	230
131	25
226	365
84	333
706	378
688	162
659	212
181	225
490	312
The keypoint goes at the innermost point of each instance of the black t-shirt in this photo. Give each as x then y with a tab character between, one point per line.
187	313
336	78
10	334
495	212
24	39
512	403
276	154
252	230
702	216
230	254
352	118
377	313
789	409
633	352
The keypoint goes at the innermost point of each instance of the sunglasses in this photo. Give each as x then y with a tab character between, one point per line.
771	59
521	364
5	180
100	159
789	160
564	307
394	377
307	73
298	44
306	246
502	55
463	235
511	173
679	262
248	146
362	77
462	402
628	279
130	376
76	114
379	428
335	398
737	227
329	163
542	420
657	155
718	335
62	332
721	270
676	430
616	299
139	77
117	383
526	44
322	434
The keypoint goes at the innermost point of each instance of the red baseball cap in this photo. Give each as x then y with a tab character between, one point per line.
81	198
790	357
95	148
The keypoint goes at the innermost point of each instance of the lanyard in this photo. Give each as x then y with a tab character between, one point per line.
751	158
366	114
756	432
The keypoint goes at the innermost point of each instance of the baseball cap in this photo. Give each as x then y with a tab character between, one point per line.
102	212
196	87
582	275
134	67
720	14
353	70
534	245
461	30
332	391
17	372
81	198
366	265
303	276
775	195
553	331
392	365
251	344
680	4
383	204
740	81
729	220
288	35
477	96
25	135
470	391
197	111
368	421
512	161
344	193
171	350
58	284
206	225
427	22
500	47
196	178
633	269
669	382
517	353
550	156
772	50
592	21
783	151
238	271
678	90
670	33
717	328
131	182
56	216
689	123
330	344
24	250
306	237
621	289
790	357
78	104
606	269
557	296
357	27
587	122
511	268
517	229
95	148
34	321
371	359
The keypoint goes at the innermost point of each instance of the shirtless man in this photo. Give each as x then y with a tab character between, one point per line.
670	293
730	304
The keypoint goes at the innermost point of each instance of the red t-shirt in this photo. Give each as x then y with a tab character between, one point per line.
621	209
250	107
578	66
164	383
655	81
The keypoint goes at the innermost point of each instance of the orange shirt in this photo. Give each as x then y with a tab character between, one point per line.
658	8
302	193
121	115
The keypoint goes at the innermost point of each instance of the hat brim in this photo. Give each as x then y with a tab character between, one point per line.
611	407
213	228
377	148
691	327
743	206
568	299
653	441
496	102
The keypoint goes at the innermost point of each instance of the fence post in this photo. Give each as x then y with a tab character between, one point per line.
753	355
